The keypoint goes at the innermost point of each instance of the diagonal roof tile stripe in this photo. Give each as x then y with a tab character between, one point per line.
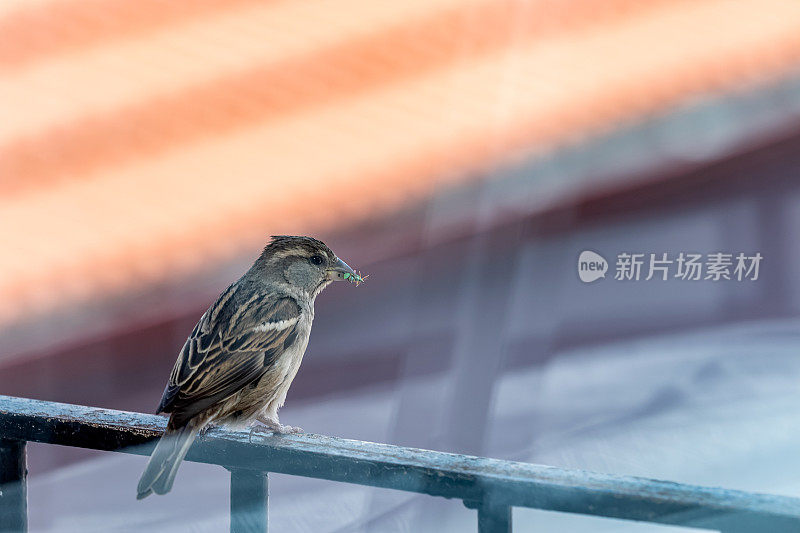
127	72
185	113
361	155
37	29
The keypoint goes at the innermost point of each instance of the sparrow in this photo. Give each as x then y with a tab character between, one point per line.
241	357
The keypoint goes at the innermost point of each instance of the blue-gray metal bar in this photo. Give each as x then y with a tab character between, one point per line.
249	501
468	478
13	486
492	518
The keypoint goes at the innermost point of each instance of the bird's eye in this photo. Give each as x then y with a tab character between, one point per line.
317	259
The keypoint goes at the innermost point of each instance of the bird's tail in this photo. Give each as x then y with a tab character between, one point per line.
166	458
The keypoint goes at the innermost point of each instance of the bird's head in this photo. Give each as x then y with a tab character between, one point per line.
305	263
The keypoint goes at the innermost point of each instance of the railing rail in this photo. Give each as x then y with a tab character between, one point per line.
491	486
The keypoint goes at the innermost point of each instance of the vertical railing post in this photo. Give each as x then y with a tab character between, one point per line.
13	486
249	501
494	519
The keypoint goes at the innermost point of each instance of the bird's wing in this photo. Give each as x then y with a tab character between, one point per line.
232	345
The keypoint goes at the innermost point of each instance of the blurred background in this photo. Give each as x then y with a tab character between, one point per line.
463	153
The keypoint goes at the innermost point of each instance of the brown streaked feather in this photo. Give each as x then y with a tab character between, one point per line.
233	344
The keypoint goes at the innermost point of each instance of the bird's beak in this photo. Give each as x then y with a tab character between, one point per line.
340	269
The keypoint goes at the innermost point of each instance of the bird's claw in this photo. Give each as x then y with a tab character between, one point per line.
289	430
275	428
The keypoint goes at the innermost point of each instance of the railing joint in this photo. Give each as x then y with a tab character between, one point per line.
493	517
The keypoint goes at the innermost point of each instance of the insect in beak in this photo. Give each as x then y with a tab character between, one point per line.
343	271
356	278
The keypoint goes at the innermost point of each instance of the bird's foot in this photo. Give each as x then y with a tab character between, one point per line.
289	430
269	425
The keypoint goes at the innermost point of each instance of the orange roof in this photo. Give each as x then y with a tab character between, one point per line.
140	141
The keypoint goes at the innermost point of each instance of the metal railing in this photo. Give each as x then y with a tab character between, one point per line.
491	486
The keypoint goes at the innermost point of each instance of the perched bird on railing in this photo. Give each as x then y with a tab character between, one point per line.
243	354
